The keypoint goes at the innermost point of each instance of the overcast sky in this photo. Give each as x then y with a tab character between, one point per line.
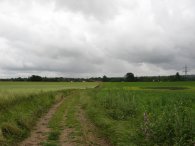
84	38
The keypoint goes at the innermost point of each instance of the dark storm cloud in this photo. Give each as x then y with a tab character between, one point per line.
96	37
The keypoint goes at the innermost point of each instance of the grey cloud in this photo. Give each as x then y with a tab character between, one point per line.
101	9
93	37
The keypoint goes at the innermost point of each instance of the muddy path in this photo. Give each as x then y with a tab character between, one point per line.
41	129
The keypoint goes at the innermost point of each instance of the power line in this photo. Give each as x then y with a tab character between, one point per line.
186	70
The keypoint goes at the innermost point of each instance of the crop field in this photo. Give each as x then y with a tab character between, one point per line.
105	114
17	88
145	113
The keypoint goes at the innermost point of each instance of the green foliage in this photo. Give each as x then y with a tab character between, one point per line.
25	123
17	119
129	115
126	113
22	103
169	124
129	77
54	135
56	124
10	130
177	77
35	78
10	91
166	88
64	117
117	106
51	143
104	78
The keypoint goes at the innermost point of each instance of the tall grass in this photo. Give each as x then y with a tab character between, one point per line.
168	122
139	117
118	105
18	116
21	103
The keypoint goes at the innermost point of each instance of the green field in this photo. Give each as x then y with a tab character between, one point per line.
21	103
8	89
125	114
145	113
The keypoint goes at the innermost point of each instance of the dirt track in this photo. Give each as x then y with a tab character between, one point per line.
88	132
39	133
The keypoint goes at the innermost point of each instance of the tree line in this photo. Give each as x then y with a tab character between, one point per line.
128	77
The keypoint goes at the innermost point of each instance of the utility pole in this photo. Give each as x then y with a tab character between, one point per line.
186	70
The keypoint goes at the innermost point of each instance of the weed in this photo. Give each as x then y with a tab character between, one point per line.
54	135
10	130
49	144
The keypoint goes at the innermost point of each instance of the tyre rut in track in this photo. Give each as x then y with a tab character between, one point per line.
90	134
39	133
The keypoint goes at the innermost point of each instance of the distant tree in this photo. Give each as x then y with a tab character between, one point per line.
35	78
177	77
104	78
129	77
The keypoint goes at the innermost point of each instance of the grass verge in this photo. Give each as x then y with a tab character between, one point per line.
17	120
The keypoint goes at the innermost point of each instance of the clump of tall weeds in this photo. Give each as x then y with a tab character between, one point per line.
119	105
11	131
171	124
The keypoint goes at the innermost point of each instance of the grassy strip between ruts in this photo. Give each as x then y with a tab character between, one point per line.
17	120
56	126
72	122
